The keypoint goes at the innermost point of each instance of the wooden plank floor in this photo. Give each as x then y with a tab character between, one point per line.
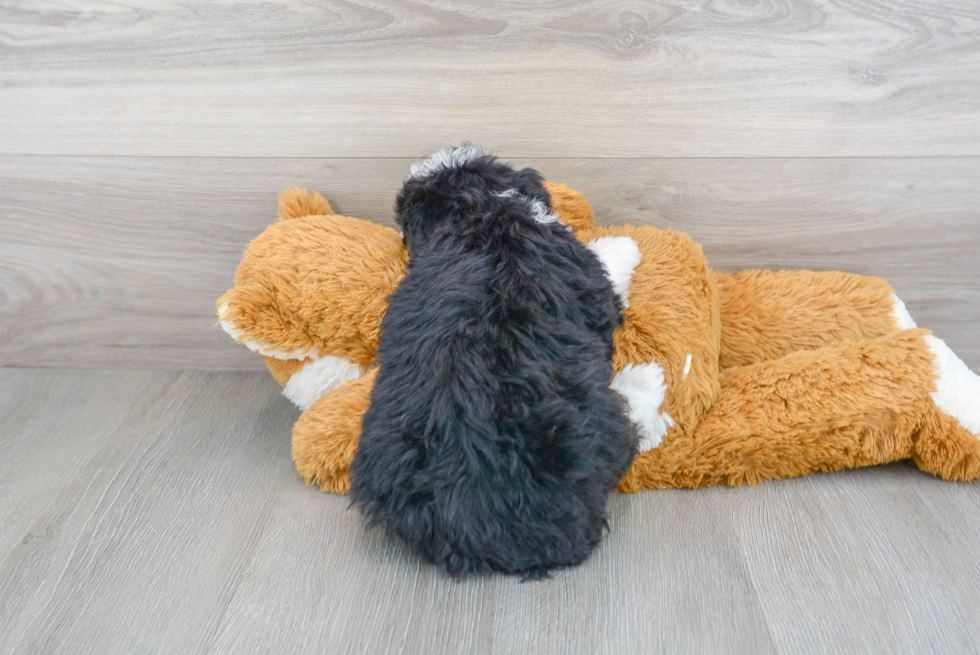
159	512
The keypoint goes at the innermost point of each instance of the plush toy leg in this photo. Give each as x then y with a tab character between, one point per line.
948	443
768	314
837	407
945	448
326	435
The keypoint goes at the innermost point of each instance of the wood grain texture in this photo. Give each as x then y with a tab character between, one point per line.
117	262
139	546
57	428
159	512
868	543
383	78
143	145
688	590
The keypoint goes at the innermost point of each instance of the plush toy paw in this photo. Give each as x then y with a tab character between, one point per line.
948	440
944	447
957	391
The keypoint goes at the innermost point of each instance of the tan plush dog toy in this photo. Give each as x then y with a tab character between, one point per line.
732	379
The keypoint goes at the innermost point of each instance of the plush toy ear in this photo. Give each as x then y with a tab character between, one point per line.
297	203
570	206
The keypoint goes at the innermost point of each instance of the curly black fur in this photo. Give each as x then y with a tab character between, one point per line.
493	440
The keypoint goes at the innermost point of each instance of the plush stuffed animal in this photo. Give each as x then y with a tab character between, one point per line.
732	379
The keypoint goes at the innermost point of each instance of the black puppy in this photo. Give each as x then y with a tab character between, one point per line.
493	439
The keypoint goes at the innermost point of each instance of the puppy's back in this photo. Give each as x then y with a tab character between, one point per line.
493	439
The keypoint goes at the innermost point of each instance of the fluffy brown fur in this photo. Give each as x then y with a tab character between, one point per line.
791	373
326	435
314	284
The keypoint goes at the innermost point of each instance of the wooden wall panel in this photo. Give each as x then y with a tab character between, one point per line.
384	78
114	261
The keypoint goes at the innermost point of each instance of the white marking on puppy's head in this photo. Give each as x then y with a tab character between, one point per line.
957	388
619	256
536	208
687	364
448	158
901	314
644	387
318	378
539	211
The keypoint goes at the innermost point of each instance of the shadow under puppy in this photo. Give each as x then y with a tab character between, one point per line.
493	439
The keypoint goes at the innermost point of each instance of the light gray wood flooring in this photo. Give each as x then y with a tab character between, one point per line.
159	512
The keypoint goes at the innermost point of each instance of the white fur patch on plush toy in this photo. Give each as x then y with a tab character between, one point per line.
644	387
254	346
901	314
620	256
318	378
957	389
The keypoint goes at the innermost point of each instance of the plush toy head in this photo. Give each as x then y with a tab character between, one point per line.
311	290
